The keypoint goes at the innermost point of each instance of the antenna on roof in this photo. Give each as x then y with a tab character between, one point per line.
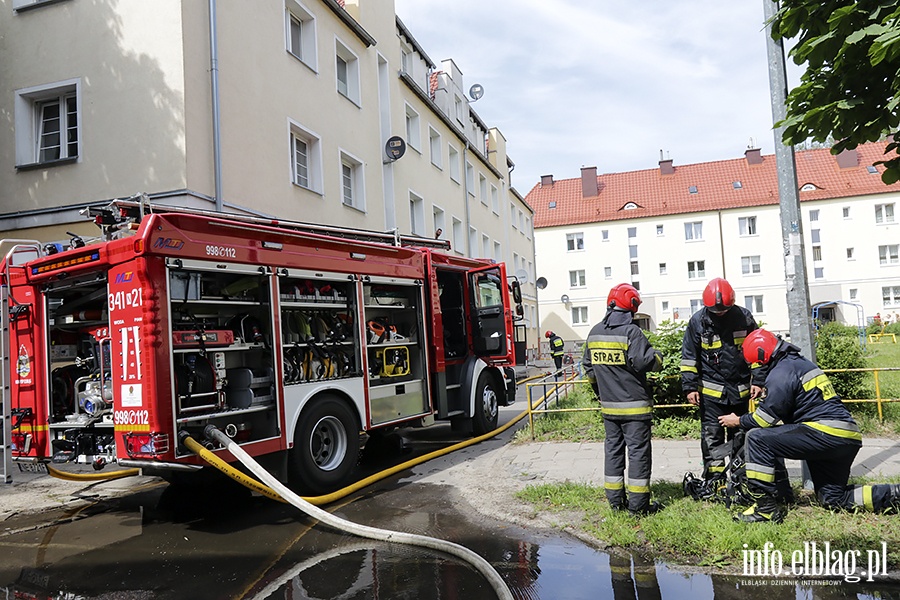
752	143
660	154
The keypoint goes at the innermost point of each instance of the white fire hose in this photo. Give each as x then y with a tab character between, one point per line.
483	566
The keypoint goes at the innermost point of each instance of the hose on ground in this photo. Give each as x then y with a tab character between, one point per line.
451	548
92	476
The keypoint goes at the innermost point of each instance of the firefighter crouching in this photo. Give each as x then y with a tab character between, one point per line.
557	346
617	357
713	372
801	417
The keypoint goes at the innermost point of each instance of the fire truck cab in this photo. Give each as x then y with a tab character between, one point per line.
294	339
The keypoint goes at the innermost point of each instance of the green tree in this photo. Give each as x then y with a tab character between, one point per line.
850	89
837	347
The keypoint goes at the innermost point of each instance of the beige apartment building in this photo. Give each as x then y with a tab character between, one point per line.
281	108
671	229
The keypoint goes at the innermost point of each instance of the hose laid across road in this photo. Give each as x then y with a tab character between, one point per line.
374	533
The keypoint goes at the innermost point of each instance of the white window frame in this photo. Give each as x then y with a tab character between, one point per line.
470	179
306	26
356	181
660	231
851	254
512	215
697	269
750	265
693	231
482	189
28	122
453	162
754	303
528	228
577	279
663	269
818	272
889	254
817	253
884	213
853	293
314	156
607	272
439	218
485	246
890	296
575	242
814	215
416	213
413	129
498	252
664	306
345	54
747	226
580	315
495	199
696	304
457	235
473	241
434	145
604	235
846	212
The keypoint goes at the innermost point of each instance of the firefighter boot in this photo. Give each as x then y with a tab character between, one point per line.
893	500
765	510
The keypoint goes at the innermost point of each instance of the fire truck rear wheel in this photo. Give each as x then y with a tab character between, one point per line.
487	401
326	446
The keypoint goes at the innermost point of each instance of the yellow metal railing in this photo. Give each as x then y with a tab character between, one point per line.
558	384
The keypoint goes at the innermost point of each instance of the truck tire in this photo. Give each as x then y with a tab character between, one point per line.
326	446
487	400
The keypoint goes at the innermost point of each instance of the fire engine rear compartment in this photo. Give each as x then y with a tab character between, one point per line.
80	422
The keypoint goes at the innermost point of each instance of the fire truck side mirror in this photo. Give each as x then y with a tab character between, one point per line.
516	291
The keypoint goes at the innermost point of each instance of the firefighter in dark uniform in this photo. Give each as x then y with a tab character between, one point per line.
617	358
557	346
801	417
714	375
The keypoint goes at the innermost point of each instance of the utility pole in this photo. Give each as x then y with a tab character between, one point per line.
796	281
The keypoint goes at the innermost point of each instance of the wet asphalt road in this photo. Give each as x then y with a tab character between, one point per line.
166	543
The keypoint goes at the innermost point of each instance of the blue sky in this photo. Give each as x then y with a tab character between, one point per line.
607	84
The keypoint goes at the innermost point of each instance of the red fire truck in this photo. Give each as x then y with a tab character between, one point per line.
296	340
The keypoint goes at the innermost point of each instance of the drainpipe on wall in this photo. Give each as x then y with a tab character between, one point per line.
214	80
465	176
722	246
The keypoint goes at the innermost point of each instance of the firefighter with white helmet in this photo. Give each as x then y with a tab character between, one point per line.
801	417
557	348
714	375
617	358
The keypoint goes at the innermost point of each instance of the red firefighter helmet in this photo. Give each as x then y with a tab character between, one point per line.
548	334
624	296
759	346
718	295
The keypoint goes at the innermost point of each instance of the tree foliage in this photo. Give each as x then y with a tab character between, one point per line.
851	88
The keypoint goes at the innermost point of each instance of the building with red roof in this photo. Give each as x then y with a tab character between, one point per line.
671	229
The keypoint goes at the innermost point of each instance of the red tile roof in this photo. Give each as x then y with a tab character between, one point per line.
656	194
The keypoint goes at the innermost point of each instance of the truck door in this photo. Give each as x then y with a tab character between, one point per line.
490	315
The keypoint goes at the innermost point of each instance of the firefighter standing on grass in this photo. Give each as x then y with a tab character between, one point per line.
801	417
617	358
557	346
714	375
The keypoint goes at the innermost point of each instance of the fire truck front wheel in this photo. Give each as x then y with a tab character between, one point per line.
326	446
487	400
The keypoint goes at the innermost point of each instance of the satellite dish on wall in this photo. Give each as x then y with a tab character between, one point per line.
394	148
476	92
541	283
522	275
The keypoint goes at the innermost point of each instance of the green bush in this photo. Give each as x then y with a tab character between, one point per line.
838	347
666	383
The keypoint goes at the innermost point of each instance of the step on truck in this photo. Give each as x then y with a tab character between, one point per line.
299	341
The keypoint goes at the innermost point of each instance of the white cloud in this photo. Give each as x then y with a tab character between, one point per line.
607	84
